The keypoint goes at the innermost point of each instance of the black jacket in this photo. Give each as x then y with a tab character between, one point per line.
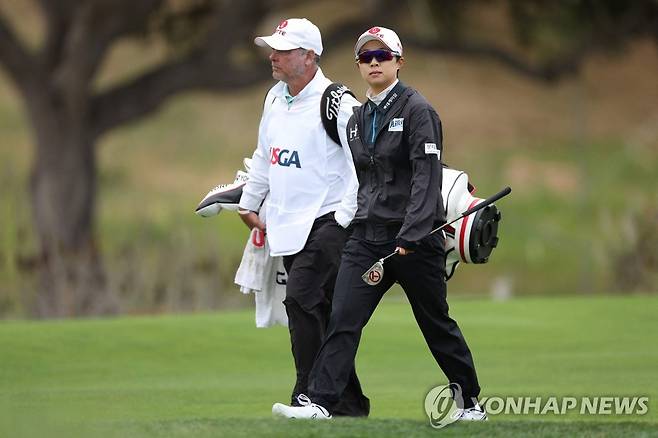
400	171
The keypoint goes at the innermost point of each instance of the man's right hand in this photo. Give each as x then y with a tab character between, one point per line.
251	219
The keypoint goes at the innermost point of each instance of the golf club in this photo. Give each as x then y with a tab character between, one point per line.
376	272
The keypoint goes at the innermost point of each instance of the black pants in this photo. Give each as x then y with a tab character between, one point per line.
309	291
421	276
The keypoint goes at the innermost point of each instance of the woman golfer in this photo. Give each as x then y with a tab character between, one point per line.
396	143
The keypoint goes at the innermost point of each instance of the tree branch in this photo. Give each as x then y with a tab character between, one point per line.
58	17
132	101
95	25
209	67
602	27
344	32
14	57
550	71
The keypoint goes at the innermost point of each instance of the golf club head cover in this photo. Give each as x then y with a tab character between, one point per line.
472	238
223	197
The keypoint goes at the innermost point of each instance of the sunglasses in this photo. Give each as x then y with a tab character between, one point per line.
380	55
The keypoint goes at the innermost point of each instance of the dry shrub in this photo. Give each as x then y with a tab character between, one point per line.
636	267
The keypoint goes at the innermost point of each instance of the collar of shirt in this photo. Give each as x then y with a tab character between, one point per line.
379	98
286	95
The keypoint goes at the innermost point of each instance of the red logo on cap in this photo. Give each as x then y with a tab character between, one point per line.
374	30
283	24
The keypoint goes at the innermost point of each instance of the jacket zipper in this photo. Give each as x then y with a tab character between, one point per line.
373	184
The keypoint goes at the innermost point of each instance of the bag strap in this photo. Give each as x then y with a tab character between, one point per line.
330	108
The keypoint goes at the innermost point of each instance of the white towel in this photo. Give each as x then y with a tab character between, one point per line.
265	277
250	274
270	309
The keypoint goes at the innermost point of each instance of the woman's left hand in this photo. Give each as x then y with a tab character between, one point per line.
403	251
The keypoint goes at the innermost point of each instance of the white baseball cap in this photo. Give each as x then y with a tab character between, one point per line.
293	33
386	36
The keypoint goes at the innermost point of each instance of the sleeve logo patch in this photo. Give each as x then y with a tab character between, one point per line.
430	148
396	124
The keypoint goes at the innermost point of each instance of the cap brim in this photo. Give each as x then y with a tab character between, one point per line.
365	38
276	42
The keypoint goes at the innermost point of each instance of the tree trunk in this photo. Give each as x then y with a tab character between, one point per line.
63	186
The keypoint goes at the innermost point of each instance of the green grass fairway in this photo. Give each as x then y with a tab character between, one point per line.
217	375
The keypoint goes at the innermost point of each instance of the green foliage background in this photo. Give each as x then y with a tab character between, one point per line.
580	155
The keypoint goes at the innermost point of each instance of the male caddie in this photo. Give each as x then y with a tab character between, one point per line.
312	194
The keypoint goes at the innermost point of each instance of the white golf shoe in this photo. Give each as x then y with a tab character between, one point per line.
307	410
476	413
